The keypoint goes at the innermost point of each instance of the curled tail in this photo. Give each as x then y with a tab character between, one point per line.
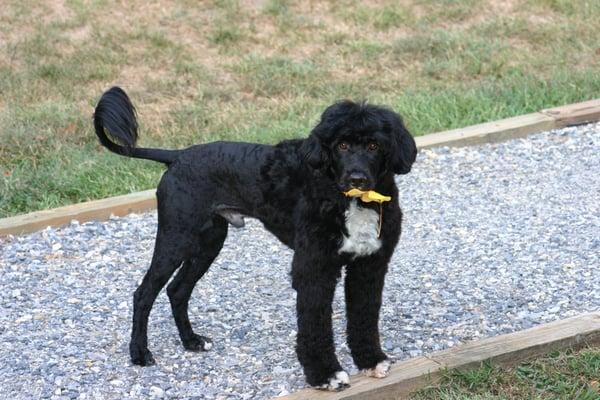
117	128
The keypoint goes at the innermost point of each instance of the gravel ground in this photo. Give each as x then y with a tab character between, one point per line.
496	239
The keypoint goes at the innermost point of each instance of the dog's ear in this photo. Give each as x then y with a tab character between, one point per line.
314	148
404	147
312	152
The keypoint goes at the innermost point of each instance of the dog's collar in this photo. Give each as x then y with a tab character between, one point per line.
368	197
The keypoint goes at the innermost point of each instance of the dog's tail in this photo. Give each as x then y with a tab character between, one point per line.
117	128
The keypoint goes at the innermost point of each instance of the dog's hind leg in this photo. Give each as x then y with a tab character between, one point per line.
180	289
168	256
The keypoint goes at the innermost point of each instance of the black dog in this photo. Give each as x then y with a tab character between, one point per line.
296	189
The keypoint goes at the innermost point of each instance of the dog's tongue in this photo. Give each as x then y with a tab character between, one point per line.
368	196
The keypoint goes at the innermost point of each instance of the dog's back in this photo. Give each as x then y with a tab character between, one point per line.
218	177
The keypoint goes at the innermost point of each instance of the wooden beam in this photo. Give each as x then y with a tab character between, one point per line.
506	350
90	210
575	114
489	132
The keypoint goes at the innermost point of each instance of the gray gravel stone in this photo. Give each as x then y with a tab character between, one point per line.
497	238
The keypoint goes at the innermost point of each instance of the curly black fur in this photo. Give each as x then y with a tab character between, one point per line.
295	188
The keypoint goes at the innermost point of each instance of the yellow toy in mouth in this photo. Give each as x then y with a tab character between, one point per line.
367	196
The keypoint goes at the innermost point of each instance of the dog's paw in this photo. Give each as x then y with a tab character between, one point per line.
381	370
338	381
141	356
198	343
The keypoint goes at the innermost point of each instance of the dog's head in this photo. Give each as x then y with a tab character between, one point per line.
358	143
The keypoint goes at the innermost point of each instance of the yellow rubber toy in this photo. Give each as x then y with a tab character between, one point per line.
368	196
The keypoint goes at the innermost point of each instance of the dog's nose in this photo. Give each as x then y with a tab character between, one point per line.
358	180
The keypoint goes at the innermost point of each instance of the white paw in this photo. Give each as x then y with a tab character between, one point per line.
207	345
381	370
338	381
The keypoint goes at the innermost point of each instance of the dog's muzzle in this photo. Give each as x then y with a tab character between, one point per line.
357	180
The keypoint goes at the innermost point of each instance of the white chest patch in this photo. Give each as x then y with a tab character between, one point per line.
362	224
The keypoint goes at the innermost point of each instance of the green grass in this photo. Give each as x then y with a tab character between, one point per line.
564	375
72	174
264	72
278	76
380	18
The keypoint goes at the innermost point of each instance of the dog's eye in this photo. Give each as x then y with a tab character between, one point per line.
343	146
373	146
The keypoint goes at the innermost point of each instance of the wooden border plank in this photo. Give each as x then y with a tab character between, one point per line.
575	114
90	210
506	350
490	132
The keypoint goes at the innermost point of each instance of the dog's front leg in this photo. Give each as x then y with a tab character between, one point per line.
363	289
314	282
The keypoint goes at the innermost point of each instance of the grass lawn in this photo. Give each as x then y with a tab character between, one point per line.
563	375
263	70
